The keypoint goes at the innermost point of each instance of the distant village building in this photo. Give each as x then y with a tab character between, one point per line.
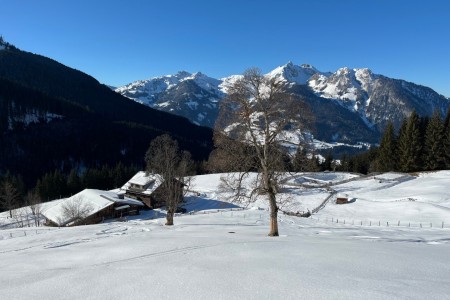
148	188
341	200
99	205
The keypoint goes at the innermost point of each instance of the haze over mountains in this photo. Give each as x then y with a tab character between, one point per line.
355	99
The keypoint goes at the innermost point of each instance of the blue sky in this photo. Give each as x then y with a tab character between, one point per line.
121	41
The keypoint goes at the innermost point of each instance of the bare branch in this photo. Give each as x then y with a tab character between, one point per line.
75	209
252	131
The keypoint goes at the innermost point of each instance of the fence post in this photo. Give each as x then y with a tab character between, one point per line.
431	225
409	224
387	224
379	223
370	223
361	223
442	224
420	225
398	224
344	221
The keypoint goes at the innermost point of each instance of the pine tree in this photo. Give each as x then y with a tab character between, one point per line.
387	154
447	139
9	197
447	148
345	163
301	160
74	184
313	164
434	143
447	119
409	144
326	165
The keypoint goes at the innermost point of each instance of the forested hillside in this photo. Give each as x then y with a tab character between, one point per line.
54	117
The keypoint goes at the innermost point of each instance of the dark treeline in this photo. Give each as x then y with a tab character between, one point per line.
56	184
421	144
56	118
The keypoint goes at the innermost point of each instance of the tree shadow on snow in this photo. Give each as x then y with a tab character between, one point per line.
194	204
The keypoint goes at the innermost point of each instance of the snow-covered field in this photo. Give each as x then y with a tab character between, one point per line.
221	251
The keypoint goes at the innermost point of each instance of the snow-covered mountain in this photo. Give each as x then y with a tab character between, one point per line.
376	98
193	96
369	100
295	74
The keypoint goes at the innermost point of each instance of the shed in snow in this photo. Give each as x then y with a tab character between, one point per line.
96	205
341	200
147	187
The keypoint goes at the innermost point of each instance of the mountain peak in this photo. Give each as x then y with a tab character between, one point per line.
308	66
344	71
182	74
293	73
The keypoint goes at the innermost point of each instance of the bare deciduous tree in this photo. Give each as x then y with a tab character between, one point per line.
75	210
258	121
33	200
165	159
9	196
21	217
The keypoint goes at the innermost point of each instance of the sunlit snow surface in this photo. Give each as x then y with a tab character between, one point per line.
216	253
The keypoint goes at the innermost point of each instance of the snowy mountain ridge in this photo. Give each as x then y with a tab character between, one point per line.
372	99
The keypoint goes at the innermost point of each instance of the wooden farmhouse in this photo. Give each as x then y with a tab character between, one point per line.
96	205
148	188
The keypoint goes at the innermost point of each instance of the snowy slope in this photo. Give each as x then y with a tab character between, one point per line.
219	253
396	197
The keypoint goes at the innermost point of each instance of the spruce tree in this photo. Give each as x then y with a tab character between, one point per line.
447	119
300	162
434	143
447	149
409	144
74	184
387	156
447	139
326	165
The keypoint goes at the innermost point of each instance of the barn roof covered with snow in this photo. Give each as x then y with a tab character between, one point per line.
96	200
144	182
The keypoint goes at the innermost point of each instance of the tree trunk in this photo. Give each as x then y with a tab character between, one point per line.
169	218
273	213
